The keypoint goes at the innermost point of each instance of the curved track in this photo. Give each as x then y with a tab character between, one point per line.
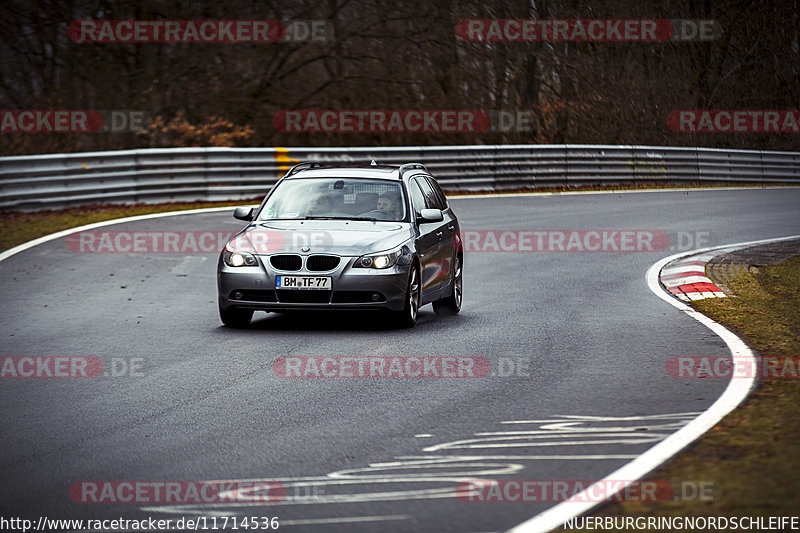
362	454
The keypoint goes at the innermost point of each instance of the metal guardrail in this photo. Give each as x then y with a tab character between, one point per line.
216	174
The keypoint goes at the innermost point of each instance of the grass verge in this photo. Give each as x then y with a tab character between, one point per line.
751	456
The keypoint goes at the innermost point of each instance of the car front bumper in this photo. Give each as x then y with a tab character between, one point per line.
351	288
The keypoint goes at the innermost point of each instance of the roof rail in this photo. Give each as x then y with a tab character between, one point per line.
305	165
411	166
308	165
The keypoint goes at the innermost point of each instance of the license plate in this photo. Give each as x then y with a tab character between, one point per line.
303	282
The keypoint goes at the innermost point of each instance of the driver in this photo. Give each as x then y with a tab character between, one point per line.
389	203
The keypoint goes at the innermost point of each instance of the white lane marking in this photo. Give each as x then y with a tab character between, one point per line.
345	519
395	472
378	470
733	395
186	264
311	490
575	431
705	258
57	235
588	432
472	444
423	435
526	457
360	485
681	269
448	492
556	425
570	428
627	191
685	281
687	415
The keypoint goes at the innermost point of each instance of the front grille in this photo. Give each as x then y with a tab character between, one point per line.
286	262
322	263
254	295
356	297
303	297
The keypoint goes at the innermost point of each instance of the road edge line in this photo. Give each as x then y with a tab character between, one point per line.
733	395
63	233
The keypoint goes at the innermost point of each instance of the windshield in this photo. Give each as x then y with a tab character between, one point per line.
335	198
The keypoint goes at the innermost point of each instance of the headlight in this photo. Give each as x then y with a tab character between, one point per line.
381	260
235	258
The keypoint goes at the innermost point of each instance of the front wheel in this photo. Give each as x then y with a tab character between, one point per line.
451	305
408	316
235	318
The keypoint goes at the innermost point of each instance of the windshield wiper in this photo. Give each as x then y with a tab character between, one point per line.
369	219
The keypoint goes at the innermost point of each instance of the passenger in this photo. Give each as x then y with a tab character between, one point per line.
319	204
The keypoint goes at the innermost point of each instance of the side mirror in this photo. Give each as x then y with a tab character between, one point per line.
243	213
431	215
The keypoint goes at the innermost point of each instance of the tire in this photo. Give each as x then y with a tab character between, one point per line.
235	318
451	305
408	316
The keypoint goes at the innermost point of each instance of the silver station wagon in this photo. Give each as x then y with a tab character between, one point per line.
345	237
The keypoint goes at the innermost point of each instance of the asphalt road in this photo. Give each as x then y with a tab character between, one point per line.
361	454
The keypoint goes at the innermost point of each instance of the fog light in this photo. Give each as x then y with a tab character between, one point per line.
237	295
376	297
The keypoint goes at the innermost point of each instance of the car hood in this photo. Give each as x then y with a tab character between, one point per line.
339	237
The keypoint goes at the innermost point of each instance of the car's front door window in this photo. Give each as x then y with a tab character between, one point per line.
417	198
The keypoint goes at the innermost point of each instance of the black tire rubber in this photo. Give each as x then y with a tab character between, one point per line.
235	318
408	316
451	305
